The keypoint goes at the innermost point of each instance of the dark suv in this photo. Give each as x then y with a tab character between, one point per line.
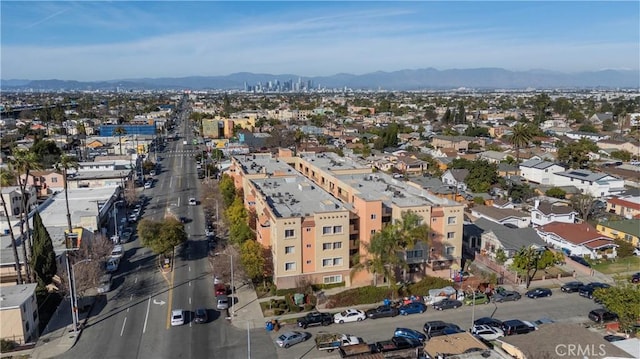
315	318
515	326
602	315
382	311
571	287
587	290
437	328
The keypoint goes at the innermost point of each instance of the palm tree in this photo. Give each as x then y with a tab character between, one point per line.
382	259
120	131
23	162
7	179
409	231
520	137
66	162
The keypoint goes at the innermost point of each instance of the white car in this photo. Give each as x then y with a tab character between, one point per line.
349	315
117	252
192	201
177	317
487	332
147	185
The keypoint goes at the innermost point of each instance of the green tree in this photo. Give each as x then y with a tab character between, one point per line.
382	258
576	154
520	192
228	190
520	137
161	237
625	249
120	131
476	131
556	192
237	217
66	163
7	178
529	260
482	175
43	259
253	260
461	116
622	299
621	155
47	152
588	127
410	230
608	125
501	256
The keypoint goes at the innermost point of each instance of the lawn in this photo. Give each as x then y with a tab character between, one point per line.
628	264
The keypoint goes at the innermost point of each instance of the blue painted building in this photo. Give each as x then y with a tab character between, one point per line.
140	130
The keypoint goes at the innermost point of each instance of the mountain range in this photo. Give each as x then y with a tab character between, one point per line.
419	79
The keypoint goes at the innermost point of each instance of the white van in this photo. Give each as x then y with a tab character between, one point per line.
104	285
117	251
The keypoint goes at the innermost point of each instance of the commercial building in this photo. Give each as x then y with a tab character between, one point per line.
19	313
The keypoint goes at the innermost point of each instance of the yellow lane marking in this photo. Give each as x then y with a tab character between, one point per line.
170	293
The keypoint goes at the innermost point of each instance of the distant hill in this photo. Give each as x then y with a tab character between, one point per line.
429	78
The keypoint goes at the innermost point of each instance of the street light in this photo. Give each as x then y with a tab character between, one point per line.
233	287
74	296
473	306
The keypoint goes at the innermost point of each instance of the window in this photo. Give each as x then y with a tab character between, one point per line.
337	229
308	245
326	246
326	230
449	250
337	245
288	233
54	180
374	216
308	229
289	249
332	279
450	235
327	262
414	254
451	220
337	261
308	262
289	266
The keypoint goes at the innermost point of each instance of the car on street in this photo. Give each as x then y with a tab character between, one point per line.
177	317
506	296
208	231
602	315
381	312
477	298
538	293
413	308
571	287
409	333
104	285
285	340
192	201
396	343
222	302
437	328
349	315
125	236
117	251
200	316
447	304
148	185
487	332
516	326
580	260
133	217
614	338
492	322
588	289
315	318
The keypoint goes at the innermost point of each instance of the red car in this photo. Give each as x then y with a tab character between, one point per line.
221	289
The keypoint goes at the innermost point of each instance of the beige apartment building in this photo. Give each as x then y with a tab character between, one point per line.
364	202
19	313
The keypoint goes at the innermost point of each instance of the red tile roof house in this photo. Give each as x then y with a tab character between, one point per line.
579	239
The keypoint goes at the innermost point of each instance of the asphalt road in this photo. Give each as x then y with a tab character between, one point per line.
133	320
560	307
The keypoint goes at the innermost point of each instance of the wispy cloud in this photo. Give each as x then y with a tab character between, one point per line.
58	13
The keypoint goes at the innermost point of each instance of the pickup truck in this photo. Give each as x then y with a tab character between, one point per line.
332	341
315	318
356	350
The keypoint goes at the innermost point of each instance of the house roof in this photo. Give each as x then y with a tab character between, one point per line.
500	213
459	174
549	208
628	226
585	175
576	233
14	295
548	338
630	202
538	164
511	238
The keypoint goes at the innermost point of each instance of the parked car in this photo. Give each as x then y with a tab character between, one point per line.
447	304
396	343
200	316
571	287
117	251
192	201
580	260
409	333
602	315
588	289
413	308
315	318
285	340
209	231
381	312
538	293
349	315
492	322
477	298
635	278
614	338
222	302
437	328
126	236
516	326
104	285
177	317
506	296
487	332
148	185
332	341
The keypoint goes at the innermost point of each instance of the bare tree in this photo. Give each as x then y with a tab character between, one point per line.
583	204
130	195
89	265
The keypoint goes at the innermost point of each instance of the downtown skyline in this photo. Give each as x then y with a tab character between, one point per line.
93	41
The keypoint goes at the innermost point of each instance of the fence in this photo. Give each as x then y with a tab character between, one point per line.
505	276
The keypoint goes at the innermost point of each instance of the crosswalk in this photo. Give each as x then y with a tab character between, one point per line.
187	153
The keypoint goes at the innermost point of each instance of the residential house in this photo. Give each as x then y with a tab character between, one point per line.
627	207
627	230
455	178
459	143
410	164
493	156
12	196
507	216
544	212
458	345
19	313
596	184
618	145
487	237
539	171
507	170
46	182
579	239
598	118
595	137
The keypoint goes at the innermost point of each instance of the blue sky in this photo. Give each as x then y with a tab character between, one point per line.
123	39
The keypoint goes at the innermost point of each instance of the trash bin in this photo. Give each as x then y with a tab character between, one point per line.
269	326
387	301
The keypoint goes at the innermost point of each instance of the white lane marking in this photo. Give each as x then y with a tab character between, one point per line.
146	317
135	281
127	310
189	283
189	268
123	324
131	297
189	300
171	182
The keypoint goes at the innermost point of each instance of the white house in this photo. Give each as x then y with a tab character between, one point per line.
546	212
455	178
579	239
577	135
597	184
539	171
507	216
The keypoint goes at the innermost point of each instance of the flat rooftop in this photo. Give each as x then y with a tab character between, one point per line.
263	163
83	202
12	296
297	196
330	161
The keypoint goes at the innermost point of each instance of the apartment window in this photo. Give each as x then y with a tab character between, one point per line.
327	262
337	245
288	233
450	235
337	261
337	229
289	266
449	250
308	262
414	254
54	180
374	216
308	245
332	279
308	229
628	237
326	230
289	249
326	246
451	220
373	231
